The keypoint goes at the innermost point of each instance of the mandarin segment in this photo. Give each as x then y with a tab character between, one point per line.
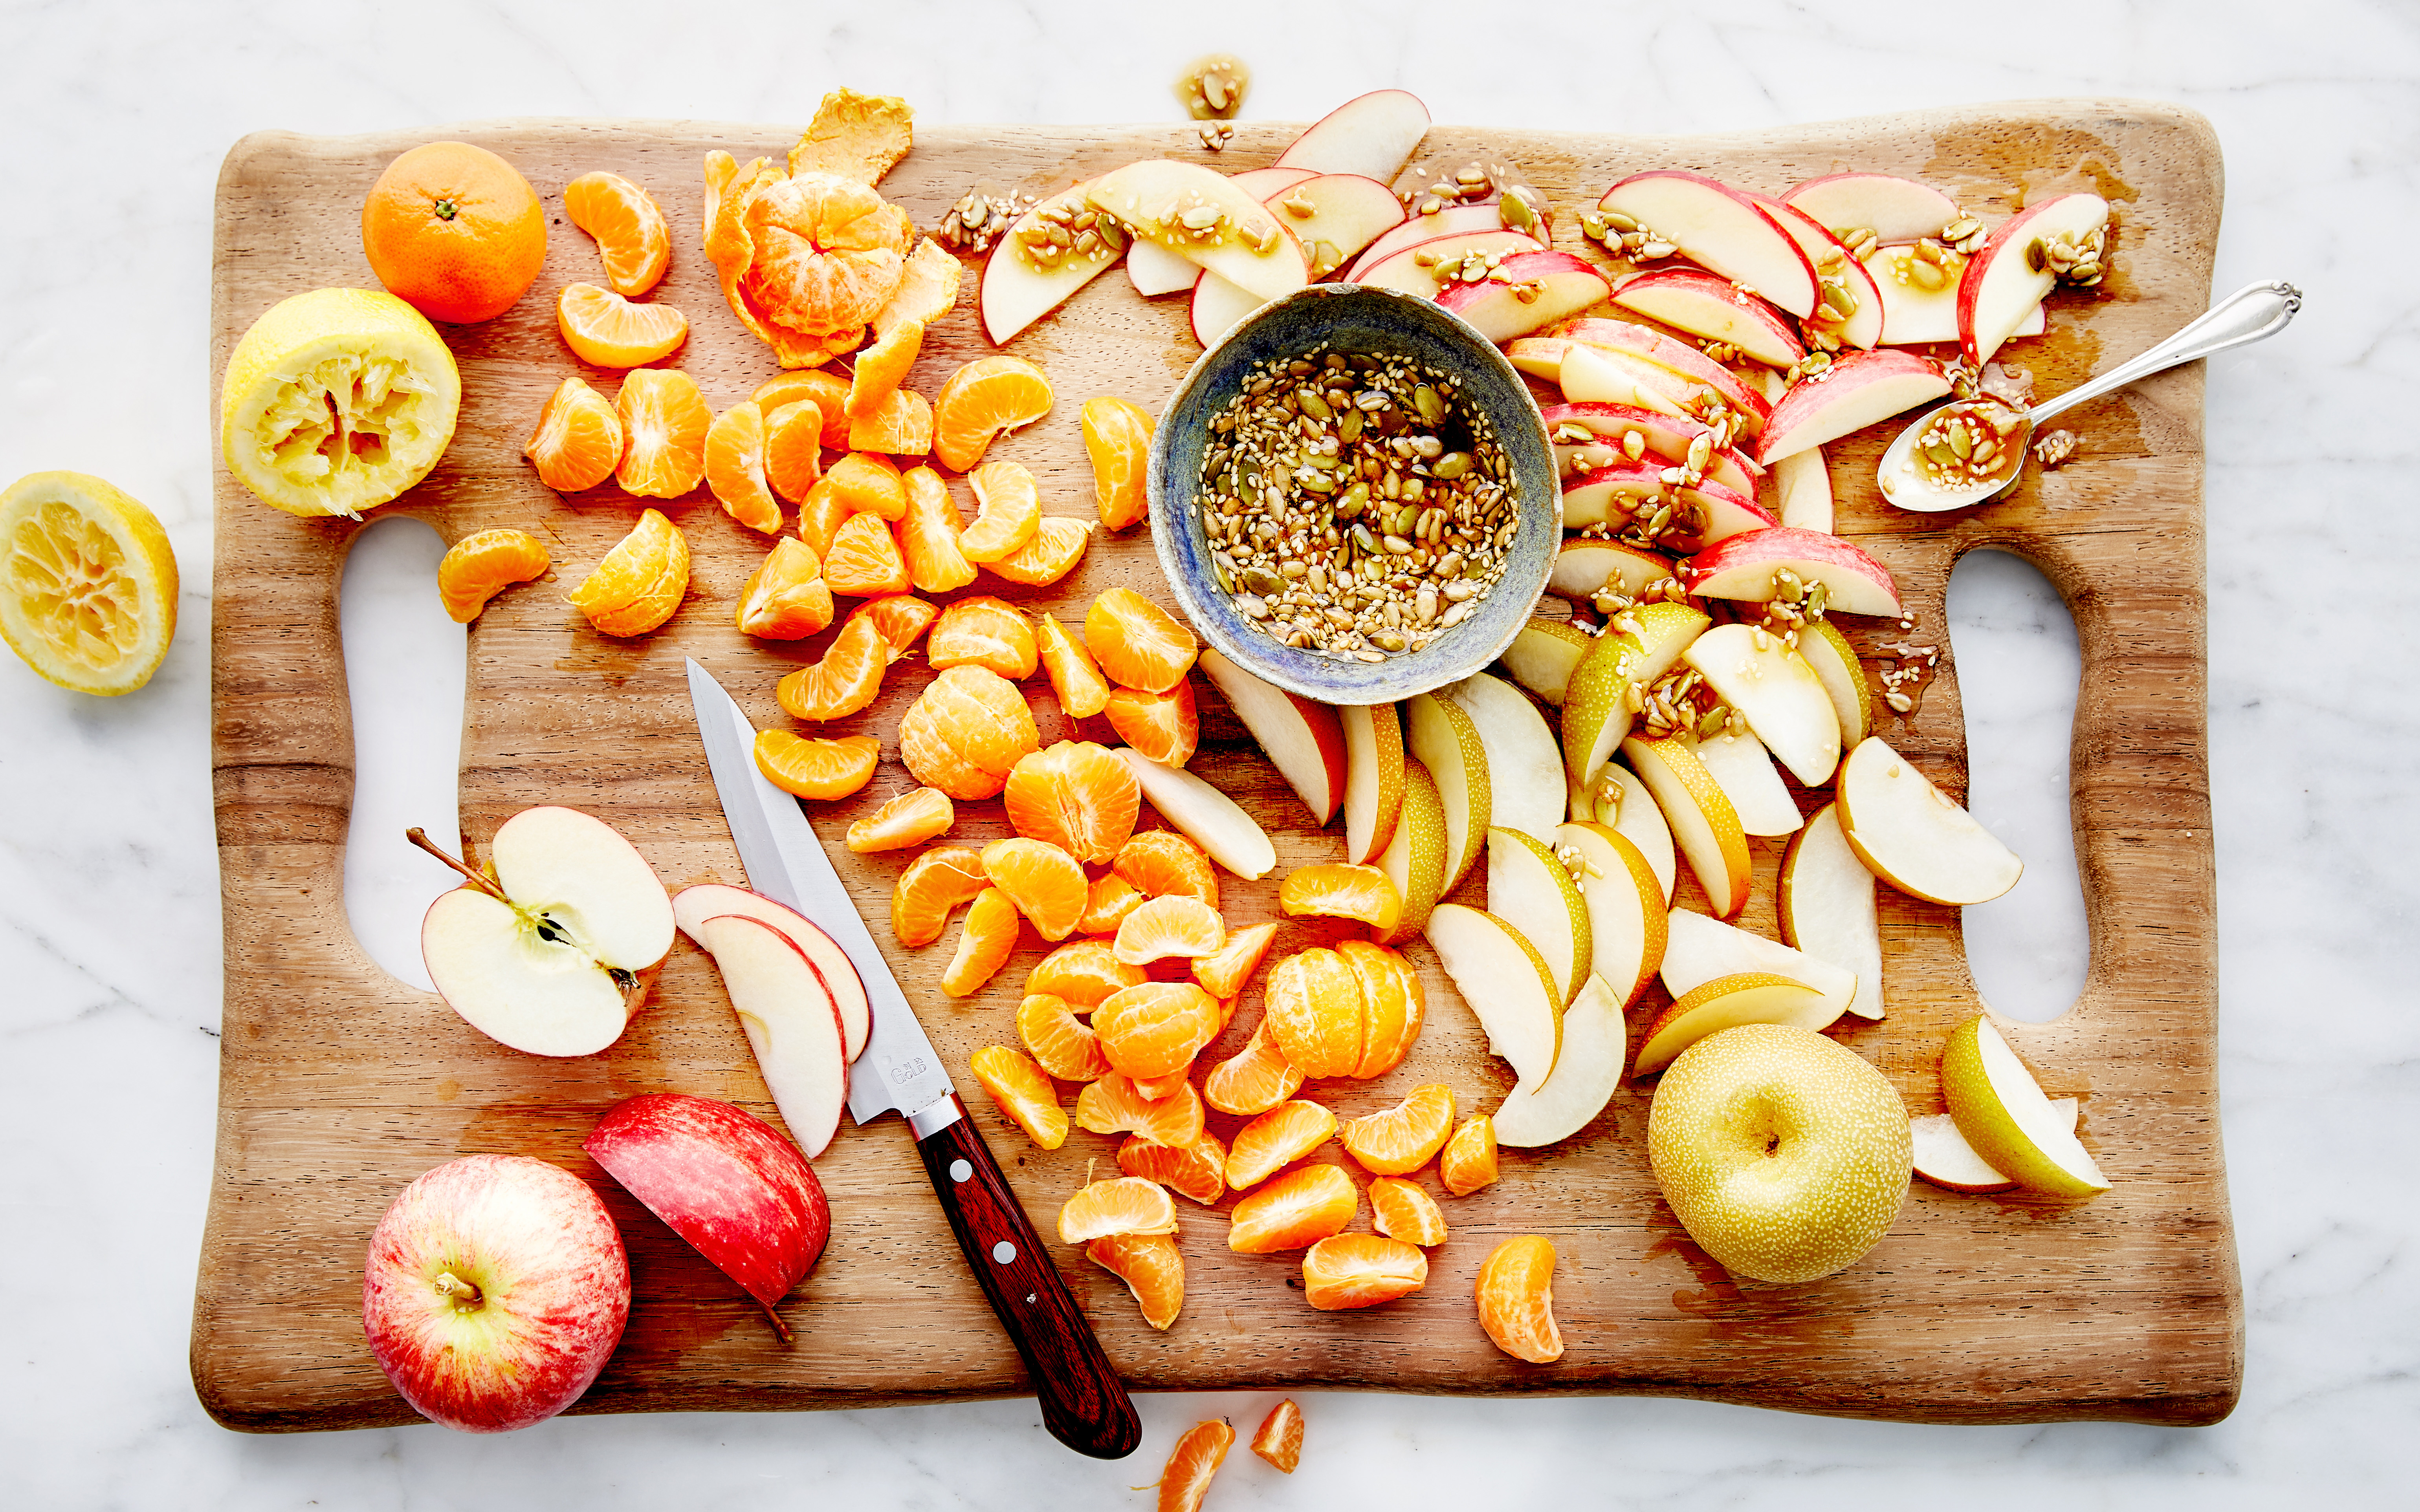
863	560
1151	1267
986	938
1058	545
479	566
829	389
1198	1170
816	768
871	483
1516	1299
845	680
1084	974
578	440
1468	1162
609	331
1112	1105
735	467
1400	1209
1339	889
912	818
882	367
1113	899
1361	1271
1008	512
1161	862
640	582
664	421
1254	1079
1314	1012
1121	1205
1394	1005
932	884
1060	1042
1151	1088
794	452
821	513
629	230
966	732
1198	1454
1043	881
1137	643
928	535
1117	437
982	632
1075	677
1279	1438
1276	1139
1174	925
1403	1138
1223	972
901	426
1077	796
1156	1029
1293	1212
1163	726
902	618
1025	1096
985	397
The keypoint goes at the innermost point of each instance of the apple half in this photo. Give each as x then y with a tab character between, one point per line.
1017	291
1697	949
1854	392
1743	769
1742	567
2006	1121
1892	208
1524	293
791	1022
1373	777
693	907
1725	1003
1372	135
555	953
1303	739
1443	739
1827	903
1204	815
1587	1072
1721	229
1542	654
1628	924
1525	771
1530	889
2007	278
1910	834
1761	675
1507	983
1713	309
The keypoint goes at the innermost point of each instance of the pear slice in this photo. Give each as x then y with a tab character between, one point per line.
1373	777
1638	647
1758	673
1414	860
1525	774
1742	767
1836	666
1697	949
1909	834
1543	654
1703	821
1944	1158
1627	923
1507	983
1724	1003
1596	1041
1530	889
2001	1110
1624	802
1827	907
1441	737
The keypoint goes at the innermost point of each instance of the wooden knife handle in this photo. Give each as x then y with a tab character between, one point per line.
1084	1405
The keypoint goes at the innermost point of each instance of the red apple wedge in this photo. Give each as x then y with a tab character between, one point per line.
1618	490
1373	777
1204	815
1585	567
1713	309
1718	228
1018	290
1335	216
1450	219
1892	208
1802	490
1302	739
2007	277
1662	350
1742	567
1525	292
1219	307
1849	395
1204	218
1441	737
724	1180
1372	135
1863	325
791	1022
693	906
1916	316
1412	270
1579	431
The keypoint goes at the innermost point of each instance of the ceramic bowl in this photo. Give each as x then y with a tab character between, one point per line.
1354	319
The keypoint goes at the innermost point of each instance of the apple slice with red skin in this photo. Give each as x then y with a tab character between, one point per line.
1864	325
1802	490
1892	208
1452	220
724	1180
1014	292
1586	567
791	1020
1742	567
1718	228
1345	212
1713	309
2001	283
1155	271
1373	777
1913	315
1851	394
1590	501
1243	248
1219	307
693	907
1556	284
1372	135
1304	740
1608	375
1666	436
1662	350
1406	273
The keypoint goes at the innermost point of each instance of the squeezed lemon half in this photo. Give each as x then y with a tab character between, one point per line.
337	401
88	583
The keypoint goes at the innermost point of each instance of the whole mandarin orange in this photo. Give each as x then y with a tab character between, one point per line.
454	231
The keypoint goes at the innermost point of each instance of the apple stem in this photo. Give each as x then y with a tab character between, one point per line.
780	1328
463	1294
420	837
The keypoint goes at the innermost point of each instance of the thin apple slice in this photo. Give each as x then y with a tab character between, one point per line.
1218	307
1697	949
1586	567
1640	647
1844	676
792	1024
1591	375
1414	269
1609	426
1827	907
1507	983
1336	215
1704	825
1204	815
1205	219
1854	393
1452	219
1303	739
1802	491
1373	777
1441	737
1372	135
1018	289
1525	292
1713	309
1743	769
1587	1072
1742	567
1414	860
1663	352
1864	321
1530	890
1724	1003
1943	1157
1155	271
1627	923
1623	803
1624	488
2007	277
1912	835
1772	686
1718	228
1525	772
2001	1110
1543	654
1892	208
693	907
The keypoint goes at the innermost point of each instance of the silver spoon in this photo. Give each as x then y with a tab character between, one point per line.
2248	315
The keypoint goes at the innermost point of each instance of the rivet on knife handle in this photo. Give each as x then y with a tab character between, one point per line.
1084	1405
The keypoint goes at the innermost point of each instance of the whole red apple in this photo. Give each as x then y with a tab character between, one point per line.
495	1291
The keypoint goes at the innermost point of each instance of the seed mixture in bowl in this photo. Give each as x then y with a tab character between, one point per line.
1355	505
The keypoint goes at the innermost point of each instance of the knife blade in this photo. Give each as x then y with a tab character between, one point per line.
1084	1405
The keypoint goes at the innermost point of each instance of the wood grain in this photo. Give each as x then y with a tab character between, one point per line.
339	1085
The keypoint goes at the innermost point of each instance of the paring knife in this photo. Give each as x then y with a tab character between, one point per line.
1084	1405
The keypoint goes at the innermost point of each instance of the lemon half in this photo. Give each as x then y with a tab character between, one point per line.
88	583
337	401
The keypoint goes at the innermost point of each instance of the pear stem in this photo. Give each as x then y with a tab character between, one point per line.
464	1295
420	837
780	1328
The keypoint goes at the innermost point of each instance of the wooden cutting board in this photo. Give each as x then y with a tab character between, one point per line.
338	1084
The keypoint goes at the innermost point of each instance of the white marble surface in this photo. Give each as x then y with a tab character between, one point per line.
109	949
